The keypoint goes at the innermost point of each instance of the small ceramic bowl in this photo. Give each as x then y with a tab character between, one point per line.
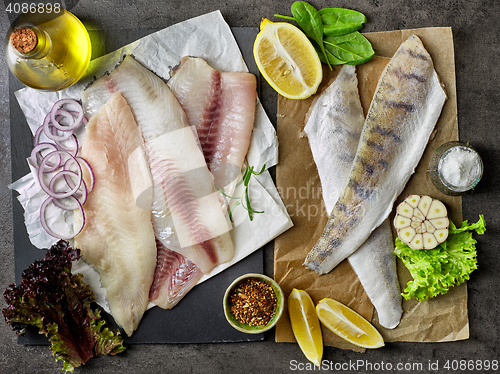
245	327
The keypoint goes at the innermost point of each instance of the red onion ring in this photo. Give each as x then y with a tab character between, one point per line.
59	126
82	189
63	206
65	174
49	230
62	146
47	123
83	161
61	114
36	157
41	179
59	104
82	193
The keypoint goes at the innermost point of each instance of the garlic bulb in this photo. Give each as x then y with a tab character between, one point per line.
421	222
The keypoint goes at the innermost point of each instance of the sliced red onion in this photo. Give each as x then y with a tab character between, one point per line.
52	135
41	178
46	227
82	161
61	114
36	137
59	104
74	186
82	188
84	120
82	193
64	205
61	144
36	157
59	126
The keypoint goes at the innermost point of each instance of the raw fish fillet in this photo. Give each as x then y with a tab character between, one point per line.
375	265
187	215
174	277
402	115
333	127
118	237
222	108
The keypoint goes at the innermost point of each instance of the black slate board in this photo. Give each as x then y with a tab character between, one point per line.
199	317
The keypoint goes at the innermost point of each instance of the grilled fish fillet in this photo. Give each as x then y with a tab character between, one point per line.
333	127
403	113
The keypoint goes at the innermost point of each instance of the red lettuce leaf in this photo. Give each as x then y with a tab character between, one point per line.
59	304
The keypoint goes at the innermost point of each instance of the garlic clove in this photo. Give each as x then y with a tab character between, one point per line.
416	242
413	200
437	210
424	204
405	210
401	222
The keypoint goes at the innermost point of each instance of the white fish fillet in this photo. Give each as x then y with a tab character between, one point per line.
402	115
375	265
118	237
333	127
221	105
174	277
187	215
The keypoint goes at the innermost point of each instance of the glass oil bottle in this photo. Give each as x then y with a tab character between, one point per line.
48	51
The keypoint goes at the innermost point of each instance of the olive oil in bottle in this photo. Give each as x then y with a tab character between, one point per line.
48	51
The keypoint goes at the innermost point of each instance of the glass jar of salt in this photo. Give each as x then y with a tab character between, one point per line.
455	168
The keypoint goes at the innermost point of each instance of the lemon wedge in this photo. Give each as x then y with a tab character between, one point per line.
348	324
287	60
305	325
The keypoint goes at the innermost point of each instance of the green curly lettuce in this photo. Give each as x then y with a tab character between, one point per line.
436	270
58	303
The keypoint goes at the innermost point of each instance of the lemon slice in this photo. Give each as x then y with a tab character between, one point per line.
287	60
348	324
305	325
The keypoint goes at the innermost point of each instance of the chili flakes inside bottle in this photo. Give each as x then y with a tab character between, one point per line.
253	302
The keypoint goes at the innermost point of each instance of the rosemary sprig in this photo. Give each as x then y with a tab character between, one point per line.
244	199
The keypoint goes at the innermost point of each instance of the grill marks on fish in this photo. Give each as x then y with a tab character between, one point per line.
374	262
407	107
400	120
174	277
416	55
401	74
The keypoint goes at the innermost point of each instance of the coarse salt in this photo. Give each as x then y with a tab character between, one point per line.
460	168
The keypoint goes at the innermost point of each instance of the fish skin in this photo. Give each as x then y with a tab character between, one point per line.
403	113
333	127
171	146
221	105
118	237
174	277
374	263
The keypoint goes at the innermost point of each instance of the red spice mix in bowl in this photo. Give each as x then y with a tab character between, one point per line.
253	303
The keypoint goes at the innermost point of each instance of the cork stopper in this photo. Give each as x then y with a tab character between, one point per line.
24	39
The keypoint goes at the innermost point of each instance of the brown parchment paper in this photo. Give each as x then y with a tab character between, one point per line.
443	318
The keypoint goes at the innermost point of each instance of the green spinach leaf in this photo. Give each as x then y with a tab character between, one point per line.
351	49
310	22
333	32
339	21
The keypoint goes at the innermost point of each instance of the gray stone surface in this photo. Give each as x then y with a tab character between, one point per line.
475	25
